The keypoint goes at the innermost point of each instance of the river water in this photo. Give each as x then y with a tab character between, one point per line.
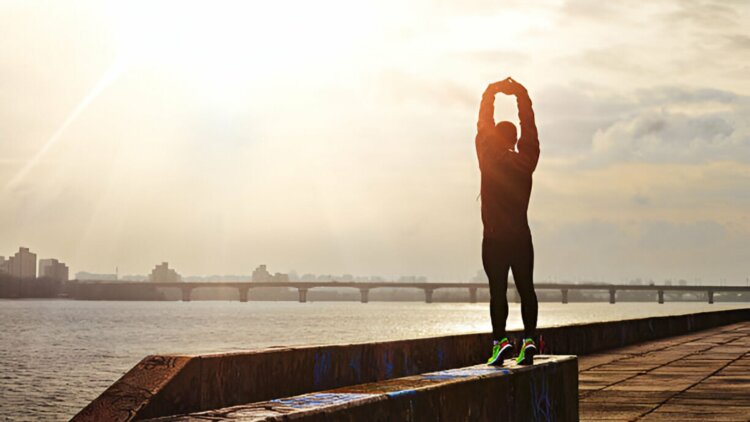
58	355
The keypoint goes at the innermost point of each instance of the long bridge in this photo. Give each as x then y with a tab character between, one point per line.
429	288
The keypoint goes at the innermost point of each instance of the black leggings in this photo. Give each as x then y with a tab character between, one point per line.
498	256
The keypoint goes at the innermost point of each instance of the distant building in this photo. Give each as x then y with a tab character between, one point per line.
261	275
53	269
3	263
163	274
22	264
280	278
82	275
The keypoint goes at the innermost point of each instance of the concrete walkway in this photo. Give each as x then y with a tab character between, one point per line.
699	376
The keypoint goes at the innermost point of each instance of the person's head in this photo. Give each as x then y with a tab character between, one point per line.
506	134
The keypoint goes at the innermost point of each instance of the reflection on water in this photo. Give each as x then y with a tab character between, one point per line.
56	355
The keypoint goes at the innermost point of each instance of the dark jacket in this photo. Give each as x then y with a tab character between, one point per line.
506	174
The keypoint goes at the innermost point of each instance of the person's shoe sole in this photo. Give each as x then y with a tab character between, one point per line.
506	353
528	356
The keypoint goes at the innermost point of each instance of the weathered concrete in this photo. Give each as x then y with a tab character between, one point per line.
699	376
187	384
155	376
548	390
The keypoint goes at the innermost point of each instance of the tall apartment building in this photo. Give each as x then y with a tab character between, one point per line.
52	268
22	264
163	274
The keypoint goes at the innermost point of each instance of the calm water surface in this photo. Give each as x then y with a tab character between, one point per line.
58	355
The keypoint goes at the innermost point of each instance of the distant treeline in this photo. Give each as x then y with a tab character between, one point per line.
15	288
12	287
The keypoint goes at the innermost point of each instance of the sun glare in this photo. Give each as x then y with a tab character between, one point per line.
233	42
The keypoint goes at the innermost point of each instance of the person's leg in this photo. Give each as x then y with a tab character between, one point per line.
523	275
496	266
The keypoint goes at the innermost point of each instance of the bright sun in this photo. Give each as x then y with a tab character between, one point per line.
232	41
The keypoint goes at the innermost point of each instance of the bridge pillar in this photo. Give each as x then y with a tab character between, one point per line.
428	295
661	296
365	293
564	295
243	293
710	296
473	294
186	293
612	295
302	295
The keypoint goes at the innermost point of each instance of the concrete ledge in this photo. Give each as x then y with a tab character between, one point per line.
548	390
170	385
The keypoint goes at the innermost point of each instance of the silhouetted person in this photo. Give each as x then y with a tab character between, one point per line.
505	191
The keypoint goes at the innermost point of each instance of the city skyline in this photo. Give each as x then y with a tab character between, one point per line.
23	265
163	273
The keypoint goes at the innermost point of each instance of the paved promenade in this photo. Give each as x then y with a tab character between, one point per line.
699	376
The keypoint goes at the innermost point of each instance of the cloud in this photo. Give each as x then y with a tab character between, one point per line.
651	249
704	13
596	10
664	124
495	57
740	42
404	88
670	95
621	59
668	137
640	199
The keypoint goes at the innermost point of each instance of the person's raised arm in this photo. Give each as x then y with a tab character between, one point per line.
528	143
487	110
486	124
487	106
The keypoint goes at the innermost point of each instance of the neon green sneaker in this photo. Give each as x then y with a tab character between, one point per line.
501	350
528	350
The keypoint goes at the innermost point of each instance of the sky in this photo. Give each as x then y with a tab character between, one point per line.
338	137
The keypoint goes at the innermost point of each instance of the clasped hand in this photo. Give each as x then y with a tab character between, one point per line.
507	86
